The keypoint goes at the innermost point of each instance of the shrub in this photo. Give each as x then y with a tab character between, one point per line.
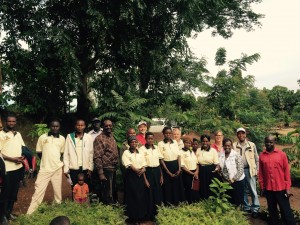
78	214
216	210
199	214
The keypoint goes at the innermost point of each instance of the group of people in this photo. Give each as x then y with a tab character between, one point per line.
175	170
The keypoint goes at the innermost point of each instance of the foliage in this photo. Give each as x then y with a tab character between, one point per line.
78	214
220	198
72	46
264	214
199	214
38	130
125	112
295	176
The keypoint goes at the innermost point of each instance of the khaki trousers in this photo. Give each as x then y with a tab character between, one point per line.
41	184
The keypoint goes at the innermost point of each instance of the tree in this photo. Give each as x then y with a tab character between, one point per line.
229	86
140	42
282	99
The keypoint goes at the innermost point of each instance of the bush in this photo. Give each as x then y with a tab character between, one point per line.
198	214
78	214
215	210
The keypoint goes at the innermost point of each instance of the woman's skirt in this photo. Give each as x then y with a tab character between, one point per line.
154	193
135	199
205	178
190	195
237	193
173	191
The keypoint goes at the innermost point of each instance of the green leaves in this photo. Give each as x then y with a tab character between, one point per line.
201	213
38	130
78	214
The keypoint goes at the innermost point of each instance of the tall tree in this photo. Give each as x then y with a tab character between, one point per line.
136	42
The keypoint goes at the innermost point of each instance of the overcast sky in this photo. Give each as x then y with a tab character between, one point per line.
277	41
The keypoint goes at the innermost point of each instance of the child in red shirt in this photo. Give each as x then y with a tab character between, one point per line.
81	190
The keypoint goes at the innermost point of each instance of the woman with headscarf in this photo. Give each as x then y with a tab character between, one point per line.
135	191
208	166
173	191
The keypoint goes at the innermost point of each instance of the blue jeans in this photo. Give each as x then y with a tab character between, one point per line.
250	184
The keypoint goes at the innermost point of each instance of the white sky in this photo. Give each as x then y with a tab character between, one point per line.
277	42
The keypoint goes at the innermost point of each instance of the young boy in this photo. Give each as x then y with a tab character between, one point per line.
80	190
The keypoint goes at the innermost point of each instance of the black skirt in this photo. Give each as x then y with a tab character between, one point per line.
154	193
135	196
237	193
190	195
173	191
205	178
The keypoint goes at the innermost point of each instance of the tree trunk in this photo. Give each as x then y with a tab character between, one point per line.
83	102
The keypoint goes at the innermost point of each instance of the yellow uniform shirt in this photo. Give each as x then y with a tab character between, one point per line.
51	149
207	157
189	159
152	156
135	159
169	151
11	146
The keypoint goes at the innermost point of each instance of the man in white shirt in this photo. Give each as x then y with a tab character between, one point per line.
49	148
96	125
11	143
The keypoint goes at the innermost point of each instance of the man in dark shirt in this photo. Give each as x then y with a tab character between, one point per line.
105	160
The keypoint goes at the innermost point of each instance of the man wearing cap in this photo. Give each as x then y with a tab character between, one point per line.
248	151
142	127
96	125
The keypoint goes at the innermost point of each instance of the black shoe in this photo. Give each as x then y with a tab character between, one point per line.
247	211
255	215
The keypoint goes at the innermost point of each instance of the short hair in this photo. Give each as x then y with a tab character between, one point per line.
60	220
186	139
166	128
176	128
148	134
80	175
54	120
204	136
10	115
226	140
218	131
79	119
106	119
195	139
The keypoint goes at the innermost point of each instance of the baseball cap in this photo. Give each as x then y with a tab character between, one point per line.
240	129
142	122
95	119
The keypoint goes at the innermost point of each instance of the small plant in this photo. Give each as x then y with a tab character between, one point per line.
220	198
199	214
38	130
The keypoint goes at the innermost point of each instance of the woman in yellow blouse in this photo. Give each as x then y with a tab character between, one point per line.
208	166
135	191
153	175
190	170
173	192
